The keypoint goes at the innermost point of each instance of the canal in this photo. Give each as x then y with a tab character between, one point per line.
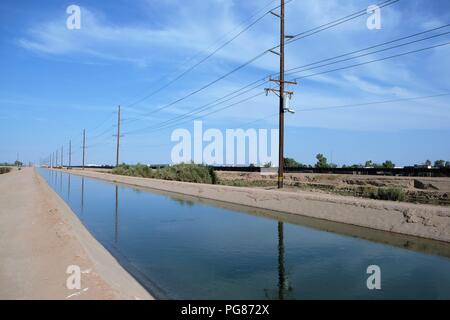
181	247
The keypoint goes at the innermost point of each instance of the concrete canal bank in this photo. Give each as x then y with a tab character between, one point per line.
40	237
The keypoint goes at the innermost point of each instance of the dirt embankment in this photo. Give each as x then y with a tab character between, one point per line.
40	237
411	189
426	221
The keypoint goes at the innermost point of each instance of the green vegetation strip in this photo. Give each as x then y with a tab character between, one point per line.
180	172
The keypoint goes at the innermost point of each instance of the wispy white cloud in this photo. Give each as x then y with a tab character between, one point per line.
188	29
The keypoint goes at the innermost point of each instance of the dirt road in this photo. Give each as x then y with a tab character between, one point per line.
40	237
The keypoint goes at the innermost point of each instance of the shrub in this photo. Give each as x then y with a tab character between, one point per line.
391	194
180	172
4	170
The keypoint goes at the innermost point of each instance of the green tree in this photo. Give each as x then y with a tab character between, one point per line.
439	163
427	163
268	164
322	162
388	164
17	163
447	164
292	163
368	164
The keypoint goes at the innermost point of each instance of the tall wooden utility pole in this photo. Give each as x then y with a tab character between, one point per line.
84	145
62	156
118	137
281	93
56	158
282	97
70	153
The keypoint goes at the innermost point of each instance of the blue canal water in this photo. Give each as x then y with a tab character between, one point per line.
187	248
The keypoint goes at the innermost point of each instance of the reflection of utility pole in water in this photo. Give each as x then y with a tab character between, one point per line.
281	270
82	197
60	181
283	285
116	220
68	186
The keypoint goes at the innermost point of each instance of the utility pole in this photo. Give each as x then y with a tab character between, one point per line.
84	145
70	153
118	138
281	125
51	162
281	93
62	156
56	158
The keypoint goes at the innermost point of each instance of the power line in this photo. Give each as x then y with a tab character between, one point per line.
373	103
217	101
369	53
103	133
372	61
201	109
234	93
336	22
209	84
328	71
376	46
182	74
303	35
311	109
317	109
153	129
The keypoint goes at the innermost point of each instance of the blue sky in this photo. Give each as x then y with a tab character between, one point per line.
54	81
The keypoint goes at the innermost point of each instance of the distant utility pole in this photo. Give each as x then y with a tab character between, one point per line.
84	145
56	158
62	156
118	137
70	153
53	159
281	93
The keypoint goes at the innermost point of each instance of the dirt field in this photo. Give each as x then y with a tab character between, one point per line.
415	189
40	237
